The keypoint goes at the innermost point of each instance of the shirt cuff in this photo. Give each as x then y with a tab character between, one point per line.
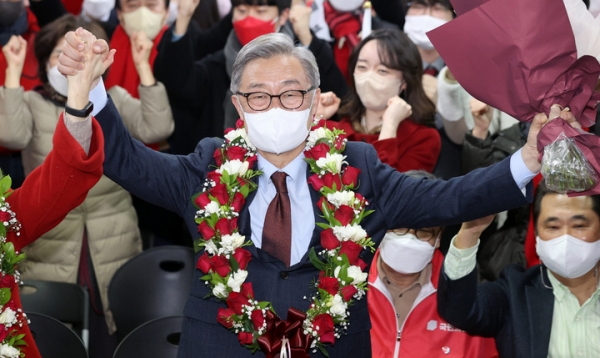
449	103
98	97
80	130
175	37
521	174
460	262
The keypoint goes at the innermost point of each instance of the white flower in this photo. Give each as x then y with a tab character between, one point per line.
211	247
339	198
332	162
232	242
352	232
240	132
236	279
338	306
7	351
314	136
8	316
212	208
357	275
220	290
233	167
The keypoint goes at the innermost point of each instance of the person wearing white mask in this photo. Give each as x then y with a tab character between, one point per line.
402	301
103	12
548	310
387	106
107	222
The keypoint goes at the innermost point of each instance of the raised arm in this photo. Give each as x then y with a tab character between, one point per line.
16	121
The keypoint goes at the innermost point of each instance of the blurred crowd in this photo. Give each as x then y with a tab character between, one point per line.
382	82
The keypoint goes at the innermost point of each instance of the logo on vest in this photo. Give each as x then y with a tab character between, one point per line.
432	325
446	327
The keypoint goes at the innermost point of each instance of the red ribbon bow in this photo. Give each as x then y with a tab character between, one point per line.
291	329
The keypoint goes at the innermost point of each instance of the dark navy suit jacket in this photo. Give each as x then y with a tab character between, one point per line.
399	201
516	309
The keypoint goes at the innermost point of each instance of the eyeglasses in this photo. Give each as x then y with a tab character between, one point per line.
259	101
421	234
419	8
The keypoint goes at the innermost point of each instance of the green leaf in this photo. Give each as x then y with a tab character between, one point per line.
4	296
234	264
245	190
314	259
323	350
323	226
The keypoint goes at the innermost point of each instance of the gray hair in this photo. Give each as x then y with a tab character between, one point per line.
271	45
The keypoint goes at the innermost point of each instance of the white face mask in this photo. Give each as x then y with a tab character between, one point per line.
346	5
57	80
416	28
406	253
143	19
97	9
375	90
568	256
277	130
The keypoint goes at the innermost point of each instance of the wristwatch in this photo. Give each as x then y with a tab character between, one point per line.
83	113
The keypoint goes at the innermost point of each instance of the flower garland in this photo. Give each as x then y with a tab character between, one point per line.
12	317
224	261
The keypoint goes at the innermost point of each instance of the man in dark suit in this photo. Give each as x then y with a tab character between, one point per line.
272	65
548	310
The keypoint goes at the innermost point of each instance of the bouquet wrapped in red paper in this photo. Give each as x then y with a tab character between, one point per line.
524	56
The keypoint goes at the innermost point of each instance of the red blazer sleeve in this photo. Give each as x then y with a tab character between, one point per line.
58	185
416	147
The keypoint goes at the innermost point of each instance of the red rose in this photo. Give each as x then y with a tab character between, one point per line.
323	324
350	176
238	202
220	265
206	231
235	152
348	292
340	142
318	151
251	161
315	182
224	226
236	301
204	263
257	319
202	200
351	249
239	123
247	290
243	257
360	263
359	197
227	130
7	281
328	239
224	317
245	337
329	284
322	201
218	155
220	193
320	124
329	180
4	216
344	214
214	176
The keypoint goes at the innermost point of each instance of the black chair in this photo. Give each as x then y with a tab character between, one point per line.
158	338
154	284
54	339
66	302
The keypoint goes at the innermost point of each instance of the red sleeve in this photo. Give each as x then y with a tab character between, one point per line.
415	147
58	185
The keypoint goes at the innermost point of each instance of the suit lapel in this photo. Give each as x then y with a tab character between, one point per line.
244	223
540	305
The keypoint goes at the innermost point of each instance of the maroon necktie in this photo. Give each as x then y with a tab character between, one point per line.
277	231
430	70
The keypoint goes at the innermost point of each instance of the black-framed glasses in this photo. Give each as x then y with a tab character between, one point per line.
421	234
259	101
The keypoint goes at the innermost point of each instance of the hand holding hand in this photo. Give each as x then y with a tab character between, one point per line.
300	19
72	58
328	105
482	116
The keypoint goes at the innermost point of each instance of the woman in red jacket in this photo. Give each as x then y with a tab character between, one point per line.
48	193
387	106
